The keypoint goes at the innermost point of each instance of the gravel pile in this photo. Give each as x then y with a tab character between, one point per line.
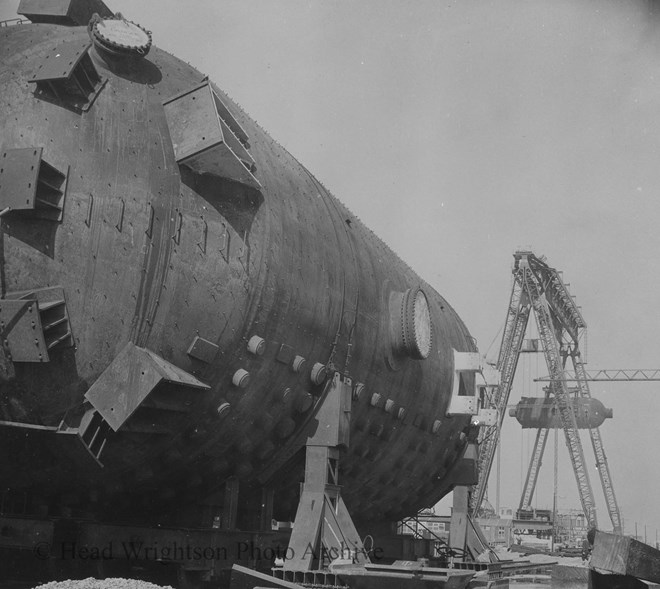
92	583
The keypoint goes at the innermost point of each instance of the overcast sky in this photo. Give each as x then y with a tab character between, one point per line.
460	131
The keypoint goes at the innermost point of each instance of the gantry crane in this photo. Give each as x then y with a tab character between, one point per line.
539	288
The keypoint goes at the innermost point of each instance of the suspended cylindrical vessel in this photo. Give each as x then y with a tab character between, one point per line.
537	413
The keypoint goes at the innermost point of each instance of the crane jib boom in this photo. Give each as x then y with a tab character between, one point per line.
612	375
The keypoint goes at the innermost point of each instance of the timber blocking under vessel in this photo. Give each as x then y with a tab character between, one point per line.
178	294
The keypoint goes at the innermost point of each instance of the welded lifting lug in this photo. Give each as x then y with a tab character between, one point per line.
150	226
177	235
241	253
205	233
223	238
90	206
120	223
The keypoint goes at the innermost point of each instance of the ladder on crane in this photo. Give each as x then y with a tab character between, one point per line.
537	287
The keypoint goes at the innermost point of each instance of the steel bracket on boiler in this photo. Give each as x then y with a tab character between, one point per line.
471	400
33	324
136	380
323	530
207	138
130	379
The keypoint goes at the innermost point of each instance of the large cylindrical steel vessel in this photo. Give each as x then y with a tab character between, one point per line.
176	318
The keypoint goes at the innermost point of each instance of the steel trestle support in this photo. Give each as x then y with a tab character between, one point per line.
323	528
